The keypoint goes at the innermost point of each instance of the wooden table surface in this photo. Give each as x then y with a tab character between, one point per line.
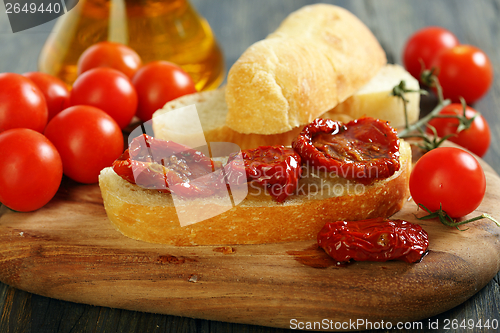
237	24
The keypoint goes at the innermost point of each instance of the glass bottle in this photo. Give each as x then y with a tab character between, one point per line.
156	29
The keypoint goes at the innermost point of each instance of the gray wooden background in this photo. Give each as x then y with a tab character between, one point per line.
237	24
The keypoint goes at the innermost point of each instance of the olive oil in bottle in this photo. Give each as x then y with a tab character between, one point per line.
168	30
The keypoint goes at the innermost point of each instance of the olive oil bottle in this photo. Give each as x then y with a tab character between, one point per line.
156	29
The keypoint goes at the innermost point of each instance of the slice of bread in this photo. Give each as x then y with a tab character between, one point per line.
152	217
212	111
373	100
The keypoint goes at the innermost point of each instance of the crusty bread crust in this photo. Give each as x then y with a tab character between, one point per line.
212	110
318	57
150	216
372	100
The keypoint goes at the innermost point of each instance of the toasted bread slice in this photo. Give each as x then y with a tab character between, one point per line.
372	100
152	217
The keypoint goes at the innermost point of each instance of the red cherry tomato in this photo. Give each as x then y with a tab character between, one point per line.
465	71
30	169
476	138
450	177
22	104
106	89
88	140
53	89
112	55
157	83
424	45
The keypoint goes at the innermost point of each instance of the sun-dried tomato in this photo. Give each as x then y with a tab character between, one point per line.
169	167
173	168
275	167
376	239
364	150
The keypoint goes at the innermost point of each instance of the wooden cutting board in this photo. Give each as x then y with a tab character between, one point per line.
68	250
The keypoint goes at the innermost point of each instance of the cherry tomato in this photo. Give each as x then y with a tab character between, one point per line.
450	177
476	138
465	71
157	83
53	89
22	104
88	140
112	55
106	89
424	45
30	169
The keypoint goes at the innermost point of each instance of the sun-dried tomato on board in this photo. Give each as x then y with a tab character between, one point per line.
169	167
376	239
364	149
275	167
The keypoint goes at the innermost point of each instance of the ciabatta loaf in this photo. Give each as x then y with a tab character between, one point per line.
318	57
373	100
151	216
